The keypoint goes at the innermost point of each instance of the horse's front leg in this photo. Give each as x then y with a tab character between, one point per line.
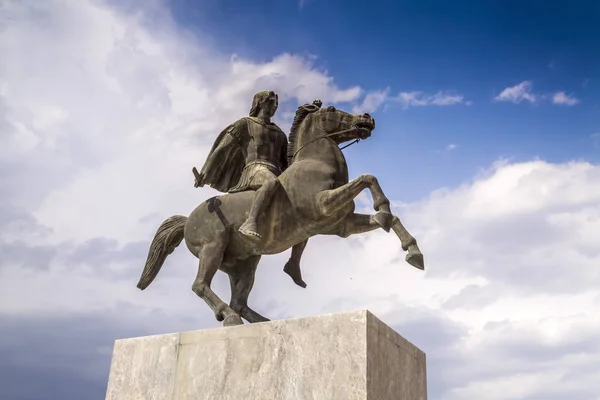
331	201
356	223
409	243
361	223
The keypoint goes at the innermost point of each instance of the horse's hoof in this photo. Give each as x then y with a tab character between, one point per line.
416	260
233	320
384	219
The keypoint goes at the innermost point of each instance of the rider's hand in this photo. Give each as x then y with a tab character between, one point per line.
200	182
198	178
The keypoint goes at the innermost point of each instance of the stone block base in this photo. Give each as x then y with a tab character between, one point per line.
350	356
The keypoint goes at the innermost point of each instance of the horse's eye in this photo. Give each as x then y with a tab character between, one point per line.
331	109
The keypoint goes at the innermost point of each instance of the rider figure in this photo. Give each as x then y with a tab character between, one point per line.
250	154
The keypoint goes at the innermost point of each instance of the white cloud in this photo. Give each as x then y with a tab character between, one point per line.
141	103
374	100
561	98
517	93
523	92
420	99
103	118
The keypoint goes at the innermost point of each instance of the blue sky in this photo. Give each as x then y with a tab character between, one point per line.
475	48
105	106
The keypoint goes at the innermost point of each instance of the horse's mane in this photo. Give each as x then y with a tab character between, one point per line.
300	116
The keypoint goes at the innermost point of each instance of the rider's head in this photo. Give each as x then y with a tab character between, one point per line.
266	102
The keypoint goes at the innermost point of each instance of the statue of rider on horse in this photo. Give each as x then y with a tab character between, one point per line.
277	193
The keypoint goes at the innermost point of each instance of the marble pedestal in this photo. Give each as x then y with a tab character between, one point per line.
350	356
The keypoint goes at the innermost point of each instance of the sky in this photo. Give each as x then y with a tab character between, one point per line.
487	142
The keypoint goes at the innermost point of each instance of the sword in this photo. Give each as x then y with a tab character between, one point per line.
197	182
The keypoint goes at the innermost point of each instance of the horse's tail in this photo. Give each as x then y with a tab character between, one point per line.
167	238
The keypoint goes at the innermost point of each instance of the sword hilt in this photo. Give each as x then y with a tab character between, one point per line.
198	177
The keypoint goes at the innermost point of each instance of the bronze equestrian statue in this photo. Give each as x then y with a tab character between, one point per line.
313	196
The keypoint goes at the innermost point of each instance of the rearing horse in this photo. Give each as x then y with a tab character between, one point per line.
315	198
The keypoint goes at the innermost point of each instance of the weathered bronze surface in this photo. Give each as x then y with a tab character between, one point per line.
280	194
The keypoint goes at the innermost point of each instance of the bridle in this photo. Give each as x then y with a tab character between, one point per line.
328	137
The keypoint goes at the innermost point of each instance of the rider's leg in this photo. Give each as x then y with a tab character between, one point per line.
262	199
292	267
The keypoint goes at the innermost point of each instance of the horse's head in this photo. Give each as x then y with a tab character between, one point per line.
313	123
341	126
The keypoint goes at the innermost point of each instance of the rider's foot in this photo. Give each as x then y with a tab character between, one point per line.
293	270
249	229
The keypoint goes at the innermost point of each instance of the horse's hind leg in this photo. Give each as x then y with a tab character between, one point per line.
210	257
241	279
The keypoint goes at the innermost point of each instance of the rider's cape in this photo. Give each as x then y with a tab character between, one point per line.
223	169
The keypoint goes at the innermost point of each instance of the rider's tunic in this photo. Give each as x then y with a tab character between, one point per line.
258	171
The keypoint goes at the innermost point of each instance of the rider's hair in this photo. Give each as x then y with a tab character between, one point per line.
258	100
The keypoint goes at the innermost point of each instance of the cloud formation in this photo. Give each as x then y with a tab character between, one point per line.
102	118
517	93
375	99
561	98
524	92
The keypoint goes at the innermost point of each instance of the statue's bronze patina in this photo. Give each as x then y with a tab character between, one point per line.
279	194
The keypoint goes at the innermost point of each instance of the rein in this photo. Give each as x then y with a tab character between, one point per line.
328	137
350	144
